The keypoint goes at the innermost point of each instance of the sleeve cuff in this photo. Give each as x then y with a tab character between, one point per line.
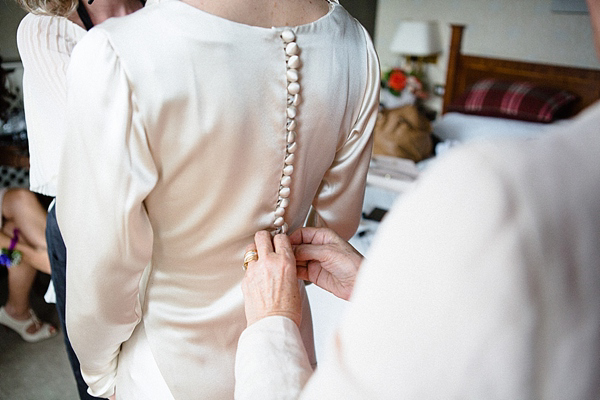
271	361
101	383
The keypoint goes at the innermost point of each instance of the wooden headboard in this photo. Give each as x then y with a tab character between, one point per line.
464	70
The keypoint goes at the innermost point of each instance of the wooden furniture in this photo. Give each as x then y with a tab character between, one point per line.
464	70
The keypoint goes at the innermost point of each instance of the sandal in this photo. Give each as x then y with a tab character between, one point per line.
45	330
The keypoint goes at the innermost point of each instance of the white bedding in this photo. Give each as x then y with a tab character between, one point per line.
455	128
463	127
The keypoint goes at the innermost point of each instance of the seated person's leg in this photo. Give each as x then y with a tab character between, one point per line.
16	313
22	210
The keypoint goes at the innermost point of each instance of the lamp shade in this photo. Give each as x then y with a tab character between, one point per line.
417	38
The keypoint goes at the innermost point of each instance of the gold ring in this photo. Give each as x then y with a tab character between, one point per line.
251	255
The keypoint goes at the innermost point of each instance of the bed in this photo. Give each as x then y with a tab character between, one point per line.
475	105
465	72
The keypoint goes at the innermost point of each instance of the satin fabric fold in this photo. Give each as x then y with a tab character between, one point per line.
177	140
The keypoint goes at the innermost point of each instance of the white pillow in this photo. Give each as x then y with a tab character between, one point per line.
459	127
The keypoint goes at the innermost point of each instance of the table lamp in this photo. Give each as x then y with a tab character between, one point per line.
418	41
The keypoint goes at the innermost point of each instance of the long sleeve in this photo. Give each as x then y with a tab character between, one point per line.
339	201
418	323
401	321
105	174
271	361
45	44
478	293
489	291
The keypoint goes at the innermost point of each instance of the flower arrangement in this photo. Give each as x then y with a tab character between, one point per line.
399	80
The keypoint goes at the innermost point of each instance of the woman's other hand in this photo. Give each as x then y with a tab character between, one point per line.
326	260
270	286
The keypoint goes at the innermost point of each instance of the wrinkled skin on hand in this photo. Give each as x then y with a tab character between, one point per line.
270	285
326	260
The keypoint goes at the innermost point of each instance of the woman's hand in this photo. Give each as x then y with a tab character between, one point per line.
326	260
270	286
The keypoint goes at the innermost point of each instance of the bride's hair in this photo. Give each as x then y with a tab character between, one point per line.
49	7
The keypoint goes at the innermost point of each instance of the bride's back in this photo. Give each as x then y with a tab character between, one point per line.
265	13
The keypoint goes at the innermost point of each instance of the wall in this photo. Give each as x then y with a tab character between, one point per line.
364	11
10	16
520	29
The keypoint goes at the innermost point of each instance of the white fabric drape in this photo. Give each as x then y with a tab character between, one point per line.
482	283
176	139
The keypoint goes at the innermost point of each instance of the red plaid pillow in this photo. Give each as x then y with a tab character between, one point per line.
514	100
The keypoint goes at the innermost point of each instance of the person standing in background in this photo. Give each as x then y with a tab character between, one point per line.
46	38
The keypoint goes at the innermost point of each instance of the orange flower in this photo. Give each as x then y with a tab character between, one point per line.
397	80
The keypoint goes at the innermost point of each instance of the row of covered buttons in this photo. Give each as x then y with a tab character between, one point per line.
293	99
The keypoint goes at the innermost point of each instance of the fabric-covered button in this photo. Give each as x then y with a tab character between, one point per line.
286	181
291	137
293	88
291	125
284	202
292	75
288	170
291	112
292	147
294	62
278	221
288	35
292	49
284	192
